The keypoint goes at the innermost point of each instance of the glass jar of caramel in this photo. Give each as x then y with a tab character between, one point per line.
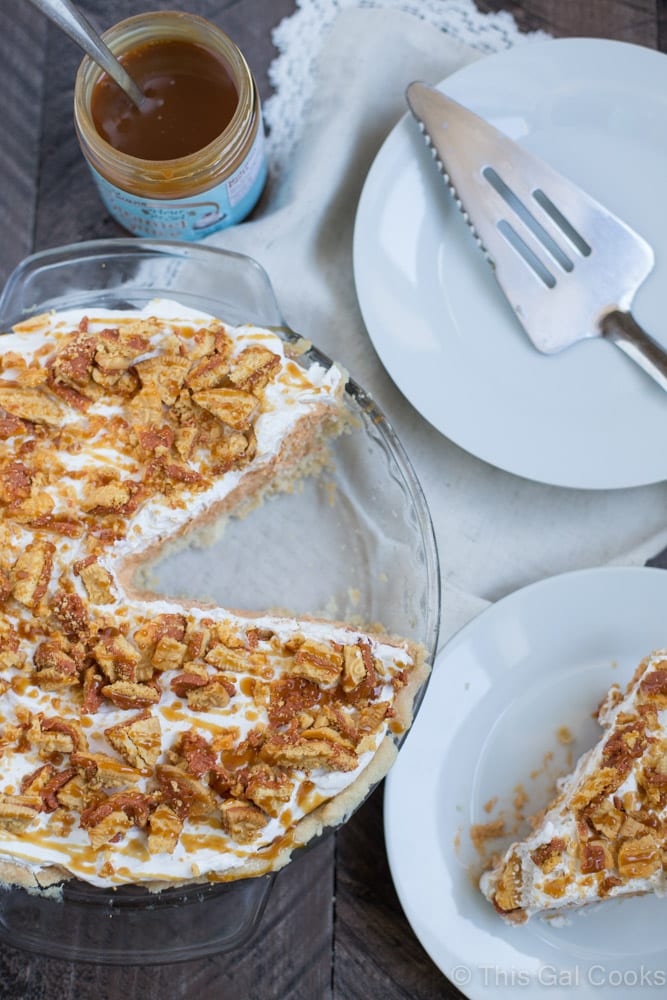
191	160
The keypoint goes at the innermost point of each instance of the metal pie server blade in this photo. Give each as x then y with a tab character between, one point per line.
568	266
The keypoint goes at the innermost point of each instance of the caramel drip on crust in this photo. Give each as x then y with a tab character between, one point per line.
147	739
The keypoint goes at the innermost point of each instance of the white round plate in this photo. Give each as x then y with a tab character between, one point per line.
587	417
536	661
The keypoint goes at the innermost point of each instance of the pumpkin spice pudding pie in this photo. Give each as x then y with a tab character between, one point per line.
605	835
147	740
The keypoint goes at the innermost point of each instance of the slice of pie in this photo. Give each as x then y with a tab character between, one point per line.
150	740
605	834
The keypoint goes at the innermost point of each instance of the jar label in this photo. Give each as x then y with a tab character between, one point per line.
194	217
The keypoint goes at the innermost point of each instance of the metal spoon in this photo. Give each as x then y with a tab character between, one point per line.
73	23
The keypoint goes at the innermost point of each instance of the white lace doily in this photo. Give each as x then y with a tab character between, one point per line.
299	38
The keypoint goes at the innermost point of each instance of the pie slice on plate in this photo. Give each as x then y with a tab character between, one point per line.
605	834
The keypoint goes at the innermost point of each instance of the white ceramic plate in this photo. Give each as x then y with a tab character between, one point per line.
588	418
537	660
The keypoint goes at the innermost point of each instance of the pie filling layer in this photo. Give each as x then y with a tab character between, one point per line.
147	740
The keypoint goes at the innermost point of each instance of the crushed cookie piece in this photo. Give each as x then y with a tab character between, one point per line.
170	626
547	856
233	406
145	409
508	892
32	405
15	483
314	748
102	771
165	375
71	614
186	795
197	753
117	658
138	741
32	573
653	687
110	828
76	794
354	668
92	691
165	828
56	735
208	373
169	653
97	582
17	812
72	364
639	858
215	694
127	694
319	662
607	819
241	820
106	499
254	368
270	788
596	857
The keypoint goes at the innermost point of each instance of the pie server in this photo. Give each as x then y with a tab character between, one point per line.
567	265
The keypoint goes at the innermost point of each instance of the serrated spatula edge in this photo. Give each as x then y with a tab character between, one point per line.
414	92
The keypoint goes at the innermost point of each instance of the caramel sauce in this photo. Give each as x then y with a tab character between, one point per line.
296	377
134	849
286	818
210	841
556	888
173	715
247	686
308	798
192	99
305	790
232	760
19	685
80	857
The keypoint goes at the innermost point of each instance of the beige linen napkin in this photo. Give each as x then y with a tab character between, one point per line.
495	532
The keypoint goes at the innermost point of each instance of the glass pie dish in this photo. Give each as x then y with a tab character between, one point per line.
368	557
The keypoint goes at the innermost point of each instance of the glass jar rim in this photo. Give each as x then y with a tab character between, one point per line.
207	164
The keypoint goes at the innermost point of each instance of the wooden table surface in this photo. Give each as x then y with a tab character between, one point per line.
333	927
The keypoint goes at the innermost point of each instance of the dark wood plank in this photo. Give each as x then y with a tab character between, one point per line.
626	20
662	25
22	42
375	951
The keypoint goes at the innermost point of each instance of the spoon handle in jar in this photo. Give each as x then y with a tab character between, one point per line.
65	15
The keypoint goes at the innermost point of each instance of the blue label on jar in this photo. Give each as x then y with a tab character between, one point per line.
194	217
